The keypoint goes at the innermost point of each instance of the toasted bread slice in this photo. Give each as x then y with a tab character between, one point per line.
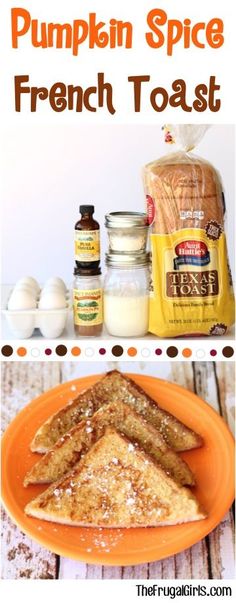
68	449
112	387
116	485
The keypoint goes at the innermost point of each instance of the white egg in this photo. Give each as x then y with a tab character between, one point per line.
25	287
21	299
29	281
51	289
52	300
56	281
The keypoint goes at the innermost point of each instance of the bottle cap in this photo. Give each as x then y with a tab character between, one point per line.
81	271
88	209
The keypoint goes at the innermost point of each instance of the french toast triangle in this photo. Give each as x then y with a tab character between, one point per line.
116	485
110	388
68	449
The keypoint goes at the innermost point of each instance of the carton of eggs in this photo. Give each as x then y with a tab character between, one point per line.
29	308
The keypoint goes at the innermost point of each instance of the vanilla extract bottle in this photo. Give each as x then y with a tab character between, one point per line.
87	239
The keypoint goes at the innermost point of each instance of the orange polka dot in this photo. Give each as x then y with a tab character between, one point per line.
132	352
75	351
187	352
22	352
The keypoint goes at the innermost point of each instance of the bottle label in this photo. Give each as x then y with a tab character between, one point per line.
87	245
88	307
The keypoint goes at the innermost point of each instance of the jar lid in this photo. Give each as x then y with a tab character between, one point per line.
80	271
121	260
126	219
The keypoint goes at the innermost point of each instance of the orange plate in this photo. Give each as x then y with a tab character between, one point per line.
212	464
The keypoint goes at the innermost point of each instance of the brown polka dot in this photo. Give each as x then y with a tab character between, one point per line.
7	350
227	351
172	351
61	350
117	350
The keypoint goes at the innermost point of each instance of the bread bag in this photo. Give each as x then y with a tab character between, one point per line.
192	291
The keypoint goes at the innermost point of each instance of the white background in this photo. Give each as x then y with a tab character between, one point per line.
50	170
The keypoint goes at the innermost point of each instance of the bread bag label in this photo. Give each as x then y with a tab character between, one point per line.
88	307
87	245
192	292
184	265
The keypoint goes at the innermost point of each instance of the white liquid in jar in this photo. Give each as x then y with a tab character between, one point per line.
126	316
125	242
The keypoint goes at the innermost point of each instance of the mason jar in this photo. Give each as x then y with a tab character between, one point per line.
126	294
127	231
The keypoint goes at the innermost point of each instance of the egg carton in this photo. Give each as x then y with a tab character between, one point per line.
51	323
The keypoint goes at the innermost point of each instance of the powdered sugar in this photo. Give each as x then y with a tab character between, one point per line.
68	491
56	492
130	501
114	460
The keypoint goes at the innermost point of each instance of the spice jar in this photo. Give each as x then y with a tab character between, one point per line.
88	302
126	294
127	231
